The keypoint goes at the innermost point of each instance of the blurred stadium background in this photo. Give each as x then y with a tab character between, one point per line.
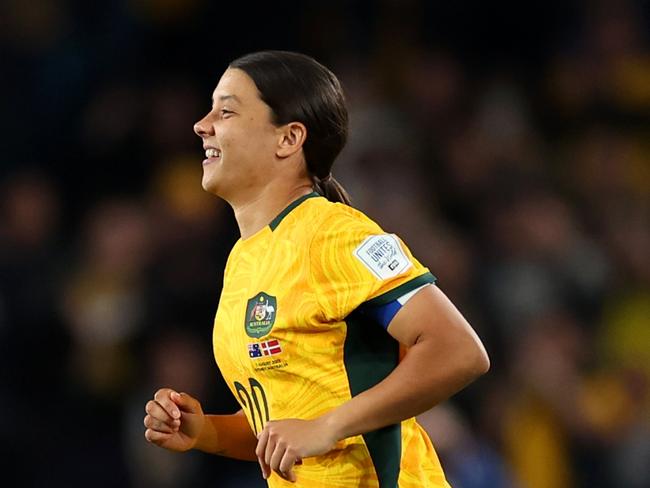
509	145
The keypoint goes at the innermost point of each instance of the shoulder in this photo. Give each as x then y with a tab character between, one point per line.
329	218
344	234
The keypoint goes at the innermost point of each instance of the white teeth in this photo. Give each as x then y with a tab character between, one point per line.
212	153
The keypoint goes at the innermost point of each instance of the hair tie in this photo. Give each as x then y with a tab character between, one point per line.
326	179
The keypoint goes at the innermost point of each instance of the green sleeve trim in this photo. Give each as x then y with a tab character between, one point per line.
369	357
402	289
276	221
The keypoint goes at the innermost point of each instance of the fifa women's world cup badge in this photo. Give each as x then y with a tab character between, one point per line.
260	315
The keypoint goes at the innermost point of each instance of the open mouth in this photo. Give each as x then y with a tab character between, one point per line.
212	154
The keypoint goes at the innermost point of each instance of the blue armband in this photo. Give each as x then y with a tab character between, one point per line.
383	314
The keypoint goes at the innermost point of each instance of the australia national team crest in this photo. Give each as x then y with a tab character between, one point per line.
260	315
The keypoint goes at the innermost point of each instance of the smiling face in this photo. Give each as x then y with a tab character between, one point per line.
239	139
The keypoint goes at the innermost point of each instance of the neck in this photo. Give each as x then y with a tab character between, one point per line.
254	214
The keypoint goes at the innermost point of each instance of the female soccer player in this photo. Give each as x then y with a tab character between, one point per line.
316	301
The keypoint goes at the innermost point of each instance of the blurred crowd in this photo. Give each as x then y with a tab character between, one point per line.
510	150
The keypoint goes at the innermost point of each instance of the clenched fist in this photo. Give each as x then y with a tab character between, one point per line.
174	420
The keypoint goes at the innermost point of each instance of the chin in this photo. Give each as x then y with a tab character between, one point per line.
212	186
208	185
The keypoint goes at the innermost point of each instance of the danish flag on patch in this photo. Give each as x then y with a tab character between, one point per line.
270	348
264	348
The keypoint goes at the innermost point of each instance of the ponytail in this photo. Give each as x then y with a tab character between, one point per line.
331	189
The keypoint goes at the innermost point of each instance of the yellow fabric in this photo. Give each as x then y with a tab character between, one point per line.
307	265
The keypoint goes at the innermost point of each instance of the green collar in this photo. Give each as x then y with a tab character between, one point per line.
276	221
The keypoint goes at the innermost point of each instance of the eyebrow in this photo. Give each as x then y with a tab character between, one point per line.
227	97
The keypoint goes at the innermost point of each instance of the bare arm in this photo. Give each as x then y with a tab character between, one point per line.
228	435
444	355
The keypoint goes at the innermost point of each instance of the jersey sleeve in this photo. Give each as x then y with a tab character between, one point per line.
354	264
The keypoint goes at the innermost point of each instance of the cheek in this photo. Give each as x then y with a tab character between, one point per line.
247	135
232	141
252	137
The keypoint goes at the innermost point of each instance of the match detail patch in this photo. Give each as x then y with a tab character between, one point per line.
383	256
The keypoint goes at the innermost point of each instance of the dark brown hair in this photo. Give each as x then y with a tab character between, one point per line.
298	88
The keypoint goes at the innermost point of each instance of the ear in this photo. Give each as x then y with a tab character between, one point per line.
291	138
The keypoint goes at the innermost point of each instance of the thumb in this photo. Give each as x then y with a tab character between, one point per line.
186	403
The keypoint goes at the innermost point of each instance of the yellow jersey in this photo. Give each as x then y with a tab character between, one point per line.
299	331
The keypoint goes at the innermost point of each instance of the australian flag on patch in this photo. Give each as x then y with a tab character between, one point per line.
264	348
254	350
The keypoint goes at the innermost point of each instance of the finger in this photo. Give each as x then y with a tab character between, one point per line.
262	439
276	457
286	465
163	398
260	450
270	447
186	402
155	410
156	437
157	425
266	471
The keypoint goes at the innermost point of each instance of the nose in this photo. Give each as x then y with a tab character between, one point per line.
203	127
